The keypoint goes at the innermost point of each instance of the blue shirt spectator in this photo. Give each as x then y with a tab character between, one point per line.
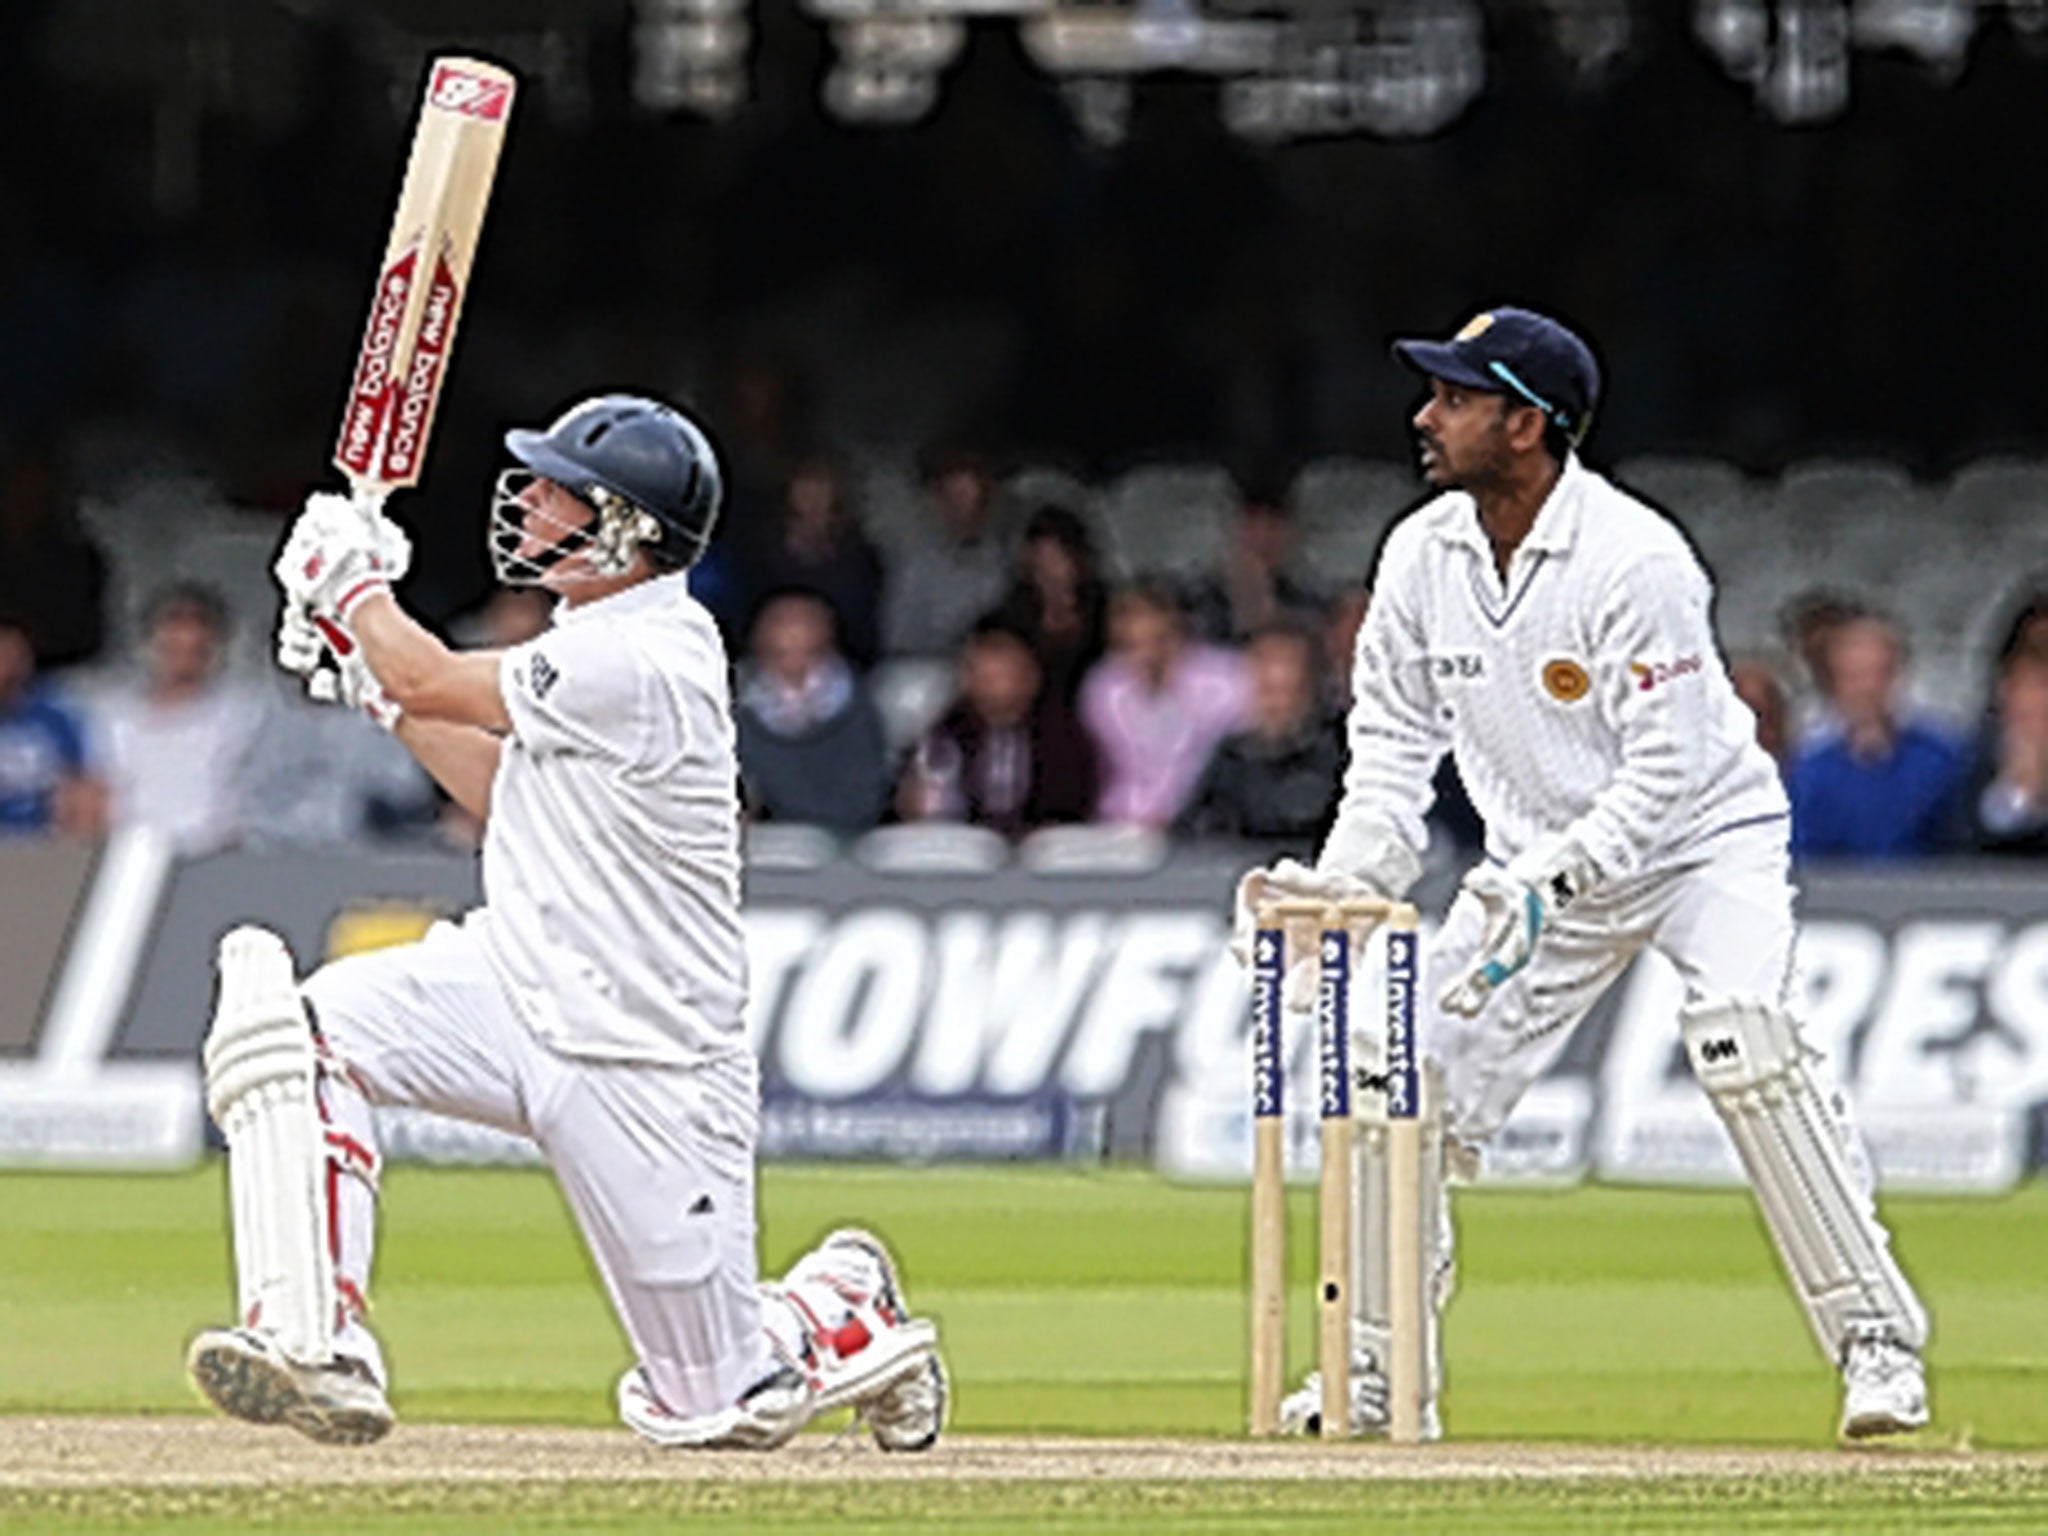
1879	786
811	746
42	746
1900	805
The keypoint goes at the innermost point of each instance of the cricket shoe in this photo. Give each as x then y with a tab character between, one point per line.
767	1415
1884	1386
245	1375
861	1347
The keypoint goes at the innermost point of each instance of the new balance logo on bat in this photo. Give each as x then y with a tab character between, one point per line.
457	90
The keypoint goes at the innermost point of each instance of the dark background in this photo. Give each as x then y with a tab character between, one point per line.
196	193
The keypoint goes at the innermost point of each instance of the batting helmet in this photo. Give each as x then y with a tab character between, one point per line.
648	470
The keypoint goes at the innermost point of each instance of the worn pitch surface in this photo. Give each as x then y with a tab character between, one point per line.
168	1451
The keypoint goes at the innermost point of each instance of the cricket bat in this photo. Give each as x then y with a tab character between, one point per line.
424	277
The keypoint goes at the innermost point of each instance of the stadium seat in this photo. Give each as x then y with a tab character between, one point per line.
1170	520
1339	493
1093	850
1686	486
1037	485
932	848
1851	512
789	846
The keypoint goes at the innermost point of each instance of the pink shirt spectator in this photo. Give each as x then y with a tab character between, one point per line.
1155	741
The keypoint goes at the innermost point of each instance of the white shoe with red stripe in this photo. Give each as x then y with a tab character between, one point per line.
767	1414
861	1347
841	1338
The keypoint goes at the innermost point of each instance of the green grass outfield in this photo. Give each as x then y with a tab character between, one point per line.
1080	1303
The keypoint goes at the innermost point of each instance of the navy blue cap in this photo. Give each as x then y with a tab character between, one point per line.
1516	352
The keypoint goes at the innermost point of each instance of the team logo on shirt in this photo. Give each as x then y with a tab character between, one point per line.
543	674
1565	680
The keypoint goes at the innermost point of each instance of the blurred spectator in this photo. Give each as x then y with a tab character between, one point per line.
2027	629
1009	754
817	546
2007	797
958	570
1277	781
764	412
2005	800
1157	705
52	575
1807	625
1341	621
326	776
1759	684
810	740
1879	785
181	744
1255	589
1058	601
45	785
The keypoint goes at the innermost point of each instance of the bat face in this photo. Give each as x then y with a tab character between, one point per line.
427	261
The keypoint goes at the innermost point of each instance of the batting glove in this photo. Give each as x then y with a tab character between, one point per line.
327	656
339	552
1518	903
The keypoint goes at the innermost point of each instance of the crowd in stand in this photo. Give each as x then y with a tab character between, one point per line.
1210	708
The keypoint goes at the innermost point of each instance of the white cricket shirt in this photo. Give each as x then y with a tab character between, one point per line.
611	863
1582	696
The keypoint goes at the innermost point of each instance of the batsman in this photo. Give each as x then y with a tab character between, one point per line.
1553	634
593	1002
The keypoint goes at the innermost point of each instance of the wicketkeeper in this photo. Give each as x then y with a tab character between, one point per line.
1553	633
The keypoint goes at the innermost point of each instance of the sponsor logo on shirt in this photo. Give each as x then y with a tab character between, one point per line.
1649	674
1458	666
1565	680
543	674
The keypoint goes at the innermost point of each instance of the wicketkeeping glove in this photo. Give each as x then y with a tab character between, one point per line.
1519	903
1291	880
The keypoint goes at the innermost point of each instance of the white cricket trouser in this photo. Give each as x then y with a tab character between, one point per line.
657	1163
1725	923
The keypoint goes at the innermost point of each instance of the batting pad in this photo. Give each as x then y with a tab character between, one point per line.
260	1068
1795	1147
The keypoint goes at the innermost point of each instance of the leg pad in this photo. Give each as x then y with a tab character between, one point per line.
1796	1148
261	1085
